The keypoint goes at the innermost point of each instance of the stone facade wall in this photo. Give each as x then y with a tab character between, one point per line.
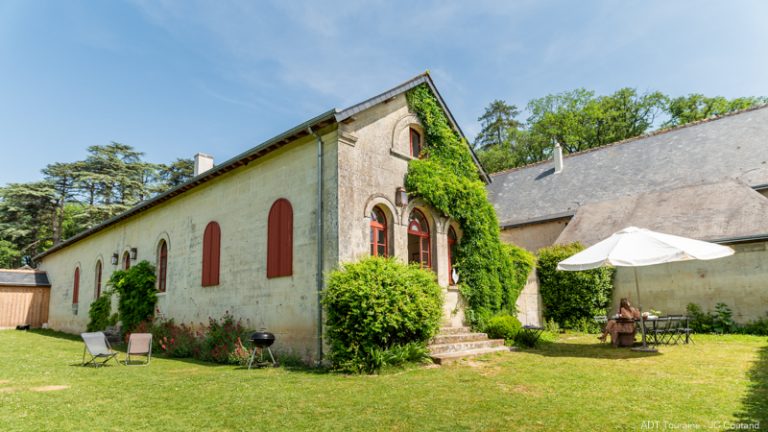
740	281
374	150
239	201
535	236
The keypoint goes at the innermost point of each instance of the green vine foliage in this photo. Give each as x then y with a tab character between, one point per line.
100	313
137	296
492	273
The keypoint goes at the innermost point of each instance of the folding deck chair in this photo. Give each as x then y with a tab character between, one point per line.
139	344
97	346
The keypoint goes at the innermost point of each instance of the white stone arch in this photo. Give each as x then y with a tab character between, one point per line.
162	236
429	213
393	218
400	140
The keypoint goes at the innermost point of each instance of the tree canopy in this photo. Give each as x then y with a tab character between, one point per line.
579	120
74	196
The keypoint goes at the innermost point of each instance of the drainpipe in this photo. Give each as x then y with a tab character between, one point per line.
319	275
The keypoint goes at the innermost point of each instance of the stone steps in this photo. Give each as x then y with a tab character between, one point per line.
455	343
453	330
458	337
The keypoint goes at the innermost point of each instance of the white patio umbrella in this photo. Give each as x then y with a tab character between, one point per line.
638	247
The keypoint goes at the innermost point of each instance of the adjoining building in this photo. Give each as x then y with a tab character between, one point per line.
707	180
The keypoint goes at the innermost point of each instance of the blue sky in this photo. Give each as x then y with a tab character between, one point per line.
173	78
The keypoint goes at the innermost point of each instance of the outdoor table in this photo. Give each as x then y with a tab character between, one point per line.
652	324
535	331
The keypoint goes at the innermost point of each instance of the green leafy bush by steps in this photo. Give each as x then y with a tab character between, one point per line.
572	298
136	292
100	313
503	327
492	273
375	305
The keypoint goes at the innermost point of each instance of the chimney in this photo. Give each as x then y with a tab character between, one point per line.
203	163
558	158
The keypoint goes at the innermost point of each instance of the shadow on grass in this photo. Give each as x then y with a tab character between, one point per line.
581	350
755	404
55	334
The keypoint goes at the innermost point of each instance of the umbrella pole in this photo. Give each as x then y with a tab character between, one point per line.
642	321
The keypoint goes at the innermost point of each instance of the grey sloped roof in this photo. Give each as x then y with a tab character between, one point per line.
729	147
323	120
23	278
716	211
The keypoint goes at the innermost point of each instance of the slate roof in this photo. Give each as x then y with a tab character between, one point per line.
323	120
23	278
733	147
725	210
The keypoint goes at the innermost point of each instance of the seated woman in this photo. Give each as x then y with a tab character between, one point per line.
613	327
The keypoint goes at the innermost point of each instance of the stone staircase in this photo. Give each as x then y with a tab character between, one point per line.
455	343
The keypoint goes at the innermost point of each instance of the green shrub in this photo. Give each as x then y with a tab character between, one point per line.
758	327
527	339
136	294
570	297
699	321
223	341
100	313
503	327
171	339
722	319
551	326
492	273
377	304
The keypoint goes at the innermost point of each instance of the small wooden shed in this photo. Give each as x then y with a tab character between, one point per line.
24	296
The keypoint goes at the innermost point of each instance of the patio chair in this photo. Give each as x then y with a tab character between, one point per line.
662	330
97	346
139	344
676	322
684	331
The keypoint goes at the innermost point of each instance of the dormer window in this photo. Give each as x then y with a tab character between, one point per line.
415	143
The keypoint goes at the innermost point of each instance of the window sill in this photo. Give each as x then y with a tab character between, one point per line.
403	156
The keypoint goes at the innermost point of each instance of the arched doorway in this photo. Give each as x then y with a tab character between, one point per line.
418	240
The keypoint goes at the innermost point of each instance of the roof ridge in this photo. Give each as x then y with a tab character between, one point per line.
638	137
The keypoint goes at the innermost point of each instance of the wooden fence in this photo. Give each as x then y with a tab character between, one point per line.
23	306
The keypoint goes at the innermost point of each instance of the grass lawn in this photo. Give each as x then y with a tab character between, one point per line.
574	384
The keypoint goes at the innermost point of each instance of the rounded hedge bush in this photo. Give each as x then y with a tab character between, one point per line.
377	304
503	327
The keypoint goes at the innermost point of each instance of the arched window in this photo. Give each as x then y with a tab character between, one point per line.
418	240
162	265
126	260
76	286
452	241
97	281
211	254
415	143
379	240
280	239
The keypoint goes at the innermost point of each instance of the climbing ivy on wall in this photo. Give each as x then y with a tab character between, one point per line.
492	273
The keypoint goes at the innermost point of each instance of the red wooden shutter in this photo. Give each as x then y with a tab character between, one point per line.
280	239
76	286
126	261
162	267
97	292
211	254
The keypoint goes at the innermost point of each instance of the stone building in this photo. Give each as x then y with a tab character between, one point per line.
255	235
707	180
